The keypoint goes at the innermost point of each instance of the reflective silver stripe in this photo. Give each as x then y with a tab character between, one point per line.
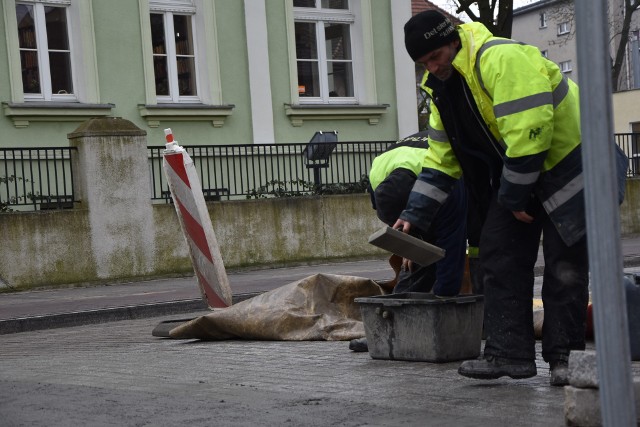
438	135
561	91
533	101
522	104
429	190
520	178
561	196
484	47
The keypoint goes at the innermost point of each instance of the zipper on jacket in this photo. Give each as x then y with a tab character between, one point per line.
483	125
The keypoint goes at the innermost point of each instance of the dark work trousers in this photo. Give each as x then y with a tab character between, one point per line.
448	231
419	279
508	253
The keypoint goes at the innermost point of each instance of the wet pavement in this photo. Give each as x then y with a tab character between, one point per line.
116	373
107	369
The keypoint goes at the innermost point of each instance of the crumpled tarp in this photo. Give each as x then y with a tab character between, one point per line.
318	307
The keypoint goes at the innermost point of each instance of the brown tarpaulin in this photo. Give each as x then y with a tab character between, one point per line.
318	307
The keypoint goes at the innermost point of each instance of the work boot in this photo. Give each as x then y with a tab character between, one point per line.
559	373
491	367
358	345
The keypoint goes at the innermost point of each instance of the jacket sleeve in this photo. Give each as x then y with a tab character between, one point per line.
516	79
439	173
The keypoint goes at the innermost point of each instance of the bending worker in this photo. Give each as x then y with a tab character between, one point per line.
392	176
508	119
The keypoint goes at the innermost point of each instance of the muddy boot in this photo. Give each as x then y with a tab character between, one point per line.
490	368
359	345
559	373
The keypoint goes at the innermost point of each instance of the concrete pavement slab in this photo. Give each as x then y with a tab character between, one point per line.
118	374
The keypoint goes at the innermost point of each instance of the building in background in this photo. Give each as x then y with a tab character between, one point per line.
550	25
216	72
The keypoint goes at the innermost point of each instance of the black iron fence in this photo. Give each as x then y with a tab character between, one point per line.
266	170
630	144
42	178
36	178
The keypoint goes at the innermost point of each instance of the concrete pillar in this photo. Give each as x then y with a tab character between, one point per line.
112	182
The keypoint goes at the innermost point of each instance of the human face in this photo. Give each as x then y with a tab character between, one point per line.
439	62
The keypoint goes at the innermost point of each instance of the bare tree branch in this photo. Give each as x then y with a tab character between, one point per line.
464	6
630	6
496	15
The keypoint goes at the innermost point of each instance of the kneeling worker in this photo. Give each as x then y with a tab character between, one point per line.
392	178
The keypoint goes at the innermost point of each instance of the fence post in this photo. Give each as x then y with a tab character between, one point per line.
113	184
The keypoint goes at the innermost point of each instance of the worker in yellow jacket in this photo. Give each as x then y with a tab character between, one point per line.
507	119
391	178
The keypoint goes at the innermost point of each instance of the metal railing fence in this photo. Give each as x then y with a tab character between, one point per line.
241	171
32	178
630	144
42	177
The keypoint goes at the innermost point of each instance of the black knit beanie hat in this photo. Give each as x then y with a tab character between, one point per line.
427	31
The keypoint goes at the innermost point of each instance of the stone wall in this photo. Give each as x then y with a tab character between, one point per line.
50	248
116	233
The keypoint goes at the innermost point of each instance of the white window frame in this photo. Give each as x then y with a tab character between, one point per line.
209	87
545	53
319	17
208	106
565	66
83	56
358	16
42	52
543	20
563	28
168	13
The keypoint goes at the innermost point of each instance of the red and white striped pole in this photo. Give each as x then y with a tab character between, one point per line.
195	222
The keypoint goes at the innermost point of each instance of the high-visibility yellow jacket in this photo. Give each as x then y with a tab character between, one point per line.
532	111
408	153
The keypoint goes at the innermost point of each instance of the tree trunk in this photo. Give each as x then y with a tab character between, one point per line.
498	22
629	8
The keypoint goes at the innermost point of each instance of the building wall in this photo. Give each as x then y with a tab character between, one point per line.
526	28
626	117
120	61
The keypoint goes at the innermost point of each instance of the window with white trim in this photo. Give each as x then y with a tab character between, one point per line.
543	19
181	64
46	58
563	28
565	66
324	51
545	53
174	53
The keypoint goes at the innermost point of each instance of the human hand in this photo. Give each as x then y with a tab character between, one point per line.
402	225
523	216
407	264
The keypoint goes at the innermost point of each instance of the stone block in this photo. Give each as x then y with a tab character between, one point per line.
582	405
583	369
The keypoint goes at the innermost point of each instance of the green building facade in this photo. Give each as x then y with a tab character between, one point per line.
215	71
